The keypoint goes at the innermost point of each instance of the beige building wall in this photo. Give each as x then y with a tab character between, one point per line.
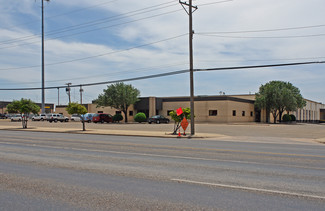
218	111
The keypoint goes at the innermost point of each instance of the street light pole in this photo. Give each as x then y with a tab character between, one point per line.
43	77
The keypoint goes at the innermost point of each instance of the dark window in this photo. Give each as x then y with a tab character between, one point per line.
234	112
118	112
100	112
130	113
252	113
243	113
213	112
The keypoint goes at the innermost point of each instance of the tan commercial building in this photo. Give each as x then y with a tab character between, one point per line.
210	109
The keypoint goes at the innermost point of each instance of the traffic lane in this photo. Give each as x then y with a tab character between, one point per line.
140	160
300	179
181	147
96	191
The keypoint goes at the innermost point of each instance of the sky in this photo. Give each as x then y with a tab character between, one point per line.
110	40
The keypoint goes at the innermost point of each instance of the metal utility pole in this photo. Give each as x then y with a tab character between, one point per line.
43	81
68	91
58	96
81	90
191	32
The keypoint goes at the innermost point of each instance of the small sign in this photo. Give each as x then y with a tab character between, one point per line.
184	124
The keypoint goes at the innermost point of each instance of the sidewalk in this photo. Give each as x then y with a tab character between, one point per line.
249	132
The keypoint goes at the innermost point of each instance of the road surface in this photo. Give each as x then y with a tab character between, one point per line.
54	171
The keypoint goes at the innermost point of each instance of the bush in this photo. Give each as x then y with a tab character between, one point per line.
117	118
286	118
293	117
140	117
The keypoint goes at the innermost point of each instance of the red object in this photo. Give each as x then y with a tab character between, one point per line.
179	133
179	111
184	124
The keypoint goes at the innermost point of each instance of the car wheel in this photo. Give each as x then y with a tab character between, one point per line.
89	121
158	122
42	119
102	121
55	120
149	122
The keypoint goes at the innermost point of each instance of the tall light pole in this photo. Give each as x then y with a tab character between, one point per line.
68	89
191	32
43	86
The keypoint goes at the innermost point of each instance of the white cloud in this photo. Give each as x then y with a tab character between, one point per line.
116	62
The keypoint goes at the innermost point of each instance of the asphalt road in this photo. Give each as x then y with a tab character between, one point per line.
54	171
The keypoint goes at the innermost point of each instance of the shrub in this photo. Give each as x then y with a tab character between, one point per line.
293	117
140	117
286	118
117	118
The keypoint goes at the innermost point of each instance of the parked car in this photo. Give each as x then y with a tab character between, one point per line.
40	117
75	117
102	118
88	117
16	117
3	116
158	119
56	118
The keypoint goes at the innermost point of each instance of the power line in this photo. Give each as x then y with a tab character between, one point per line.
263	37
96	56
169	74
94	23
263	30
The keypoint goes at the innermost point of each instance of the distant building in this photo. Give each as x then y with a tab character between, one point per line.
210	109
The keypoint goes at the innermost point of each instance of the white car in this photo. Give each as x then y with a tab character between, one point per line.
40	117
75	117
16	117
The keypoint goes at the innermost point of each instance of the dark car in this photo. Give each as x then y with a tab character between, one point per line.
102	118
158	119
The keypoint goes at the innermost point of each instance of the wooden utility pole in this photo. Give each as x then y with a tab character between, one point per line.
191	32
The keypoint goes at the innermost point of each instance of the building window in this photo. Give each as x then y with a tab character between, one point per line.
130	113
118	112
252	113
100	112
213	112
233	112
243	113
169	112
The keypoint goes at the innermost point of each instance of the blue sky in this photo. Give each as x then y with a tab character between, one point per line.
105	40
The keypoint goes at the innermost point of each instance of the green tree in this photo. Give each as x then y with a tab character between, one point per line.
75	108
24	107
277	97
178	119
119	96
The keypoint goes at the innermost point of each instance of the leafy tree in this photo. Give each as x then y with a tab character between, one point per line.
277	97
178	119
24	107
75	108
140	117
119	96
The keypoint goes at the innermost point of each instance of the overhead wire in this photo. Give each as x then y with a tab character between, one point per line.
98	55
94	23
169	74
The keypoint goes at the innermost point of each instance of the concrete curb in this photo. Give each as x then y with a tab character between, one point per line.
110	132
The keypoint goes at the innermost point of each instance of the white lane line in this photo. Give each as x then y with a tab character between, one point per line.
249	188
